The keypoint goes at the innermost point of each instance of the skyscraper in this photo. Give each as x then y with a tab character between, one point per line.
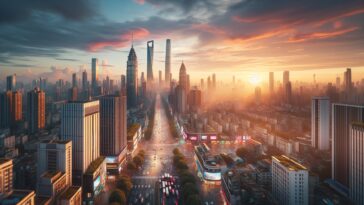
271	82
84	81
213	81
167	69
80	122
342	116
150	56
289	181
347	79
123	85
208	83
181	99
338	82
188	86
285	78
258	95
95	77
202	84
132	79
320	123
54	157
288	92
11	108
36	110
356	161
74	80
183	77
113	130
10	82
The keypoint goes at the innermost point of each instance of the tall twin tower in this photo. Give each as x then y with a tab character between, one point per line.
132	71
150	57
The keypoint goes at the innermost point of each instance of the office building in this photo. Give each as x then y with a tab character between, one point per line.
73	94
80	122
19	197
342	116
356	162
289	181
11	82
36	110
113	129
194	99
6	176
54	167
150	56
320	123
132	79
94	77
167	69
183	77
181	99
288	92
11	109
271	82
187	84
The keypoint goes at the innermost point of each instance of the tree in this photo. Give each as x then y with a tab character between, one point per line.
181	165
187	177
228	160
193	200
138	160
176	151
117	196
189	189
124	184
131	166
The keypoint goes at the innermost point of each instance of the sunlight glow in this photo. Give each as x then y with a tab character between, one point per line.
255	79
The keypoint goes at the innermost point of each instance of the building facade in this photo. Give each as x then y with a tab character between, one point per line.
36	110
132	79
289	181
6	176
80	122
167	69
320	123
150	57
356	162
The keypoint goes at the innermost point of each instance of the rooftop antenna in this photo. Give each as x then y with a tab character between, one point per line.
132	39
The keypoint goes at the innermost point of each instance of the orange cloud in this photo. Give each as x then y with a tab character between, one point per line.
320	35
343	15
254	37
208	28
140	1
123	40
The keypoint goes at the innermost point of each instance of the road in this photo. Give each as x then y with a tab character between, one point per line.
158	152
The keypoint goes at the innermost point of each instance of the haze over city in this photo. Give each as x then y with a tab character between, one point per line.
181	102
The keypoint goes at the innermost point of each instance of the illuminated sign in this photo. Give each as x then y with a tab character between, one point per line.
97	182
215	176
204	137
111	159
193	138
213	137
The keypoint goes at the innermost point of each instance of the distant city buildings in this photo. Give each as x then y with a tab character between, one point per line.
289	181
11	82
320	123
271	82
94	77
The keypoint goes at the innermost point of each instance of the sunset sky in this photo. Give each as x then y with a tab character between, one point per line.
228	37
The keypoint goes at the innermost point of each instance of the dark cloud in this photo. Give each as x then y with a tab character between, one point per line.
17	10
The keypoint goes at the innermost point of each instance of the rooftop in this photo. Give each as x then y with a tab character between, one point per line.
94	165
70	192
4	160
51	174
289	163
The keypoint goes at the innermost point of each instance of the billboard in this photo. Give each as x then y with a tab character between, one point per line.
97	182
213	176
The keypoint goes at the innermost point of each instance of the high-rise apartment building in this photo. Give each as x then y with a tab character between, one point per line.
74	80
84	81
11	109
342	116
320	123
150	56
289	181
167	69
54	169
6	176
347	80
11	82
113	130
132	79
35	110
356	162
80	122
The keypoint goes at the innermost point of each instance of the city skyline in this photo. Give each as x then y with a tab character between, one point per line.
311	40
